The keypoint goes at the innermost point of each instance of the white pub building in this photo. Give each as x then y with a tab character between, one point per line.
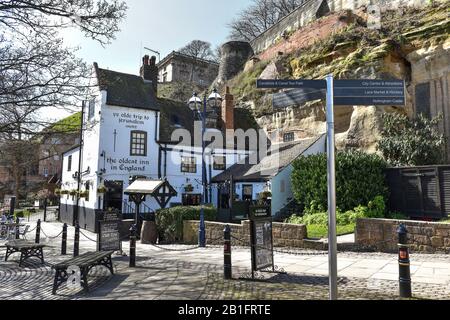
127	137
131	135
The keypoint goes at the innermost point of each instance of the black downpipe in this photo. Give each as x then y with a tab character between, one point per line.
77	206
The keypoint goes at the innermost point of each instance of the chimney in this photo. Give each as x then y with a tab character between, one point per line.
149	71
228	110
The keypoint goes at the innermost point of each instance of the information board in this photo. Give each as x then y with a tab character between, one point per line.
262	244
109	233
369	92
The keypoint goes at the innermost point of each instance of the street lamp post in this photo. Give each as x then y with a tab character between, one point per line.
196	104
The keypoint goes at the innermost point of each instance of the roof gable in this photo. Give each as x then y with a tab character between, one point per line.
126	90
270	165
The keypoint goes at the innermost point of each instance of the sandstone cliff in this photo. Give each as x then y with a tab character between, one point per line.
413	44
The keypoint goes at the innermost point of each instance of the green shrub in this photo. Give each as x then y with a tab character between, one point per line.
359	179
169	221
21	214
375	209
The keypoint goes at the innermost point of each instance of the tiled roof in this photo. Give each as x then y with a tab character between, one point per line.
270	165
126	90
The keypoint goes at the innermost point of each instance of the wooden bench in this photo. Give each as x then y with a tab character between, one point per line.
27	250
85	262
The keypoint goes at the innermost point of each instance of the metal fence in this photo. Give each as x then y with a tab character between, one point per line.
420	192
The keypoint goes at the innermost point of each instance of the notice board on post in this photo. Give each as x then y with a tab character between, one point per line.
109	232
261	238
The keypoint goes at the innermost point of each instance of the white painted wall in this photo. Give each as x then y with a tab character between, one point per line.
169	72
281	196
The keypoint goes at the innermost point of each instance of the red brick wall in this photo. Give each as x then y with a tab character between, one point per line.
306	36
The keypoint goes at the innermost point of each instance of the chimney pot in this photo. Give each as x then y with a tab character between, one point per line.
149	71
228	110
145	60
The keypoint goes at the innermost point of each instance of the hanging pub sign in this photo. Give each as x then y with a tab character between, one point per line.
108	232
261	238
259	212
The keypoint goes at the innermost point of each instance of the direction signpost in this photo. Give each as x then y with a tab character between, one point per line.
359	92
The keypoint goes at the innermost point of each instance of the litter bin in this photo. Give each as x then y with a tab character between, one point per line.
149	234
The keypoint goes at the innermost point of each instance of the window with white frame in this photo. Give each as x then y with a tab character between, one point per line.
188	165
138	145
219	163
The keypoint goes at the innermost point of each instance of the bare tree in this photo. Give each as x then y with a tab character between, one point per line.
37	71
260	16
198	49
97	19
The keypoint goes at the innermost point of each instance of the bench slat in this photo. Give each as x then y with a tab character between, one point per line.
83	260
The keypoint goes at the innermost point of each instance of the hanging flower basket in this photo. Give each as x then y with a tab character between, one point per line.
57	192
63	192
84	194
73	192
189	188
101	189
265	195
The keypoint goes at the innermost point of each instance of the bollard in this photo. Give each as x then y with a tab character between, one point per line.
38	231
76	246
64	240
227	253
17	228
45	210
404	263
133	230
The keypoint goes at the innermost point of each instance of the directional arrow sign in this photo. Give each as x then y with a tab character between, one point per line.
369	92
278	84
296	97
346	92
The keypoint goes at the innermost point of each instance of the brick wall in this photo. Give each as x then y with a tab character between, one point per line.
381	235
308	12
309	34
284	235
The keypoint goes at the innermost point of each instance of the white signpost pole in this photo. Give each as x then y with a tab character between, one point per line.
332	241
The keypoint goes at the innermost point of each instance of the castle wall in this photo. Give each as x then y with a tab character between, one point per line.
314	9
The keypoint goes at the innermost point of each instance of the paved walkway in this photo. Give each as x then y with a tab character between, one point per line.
197	273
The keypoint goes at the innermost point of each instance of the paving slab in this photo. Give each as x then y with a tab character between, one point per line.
197	273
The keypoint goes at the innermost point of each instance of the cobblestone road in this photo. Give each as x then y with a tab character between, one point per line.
198	274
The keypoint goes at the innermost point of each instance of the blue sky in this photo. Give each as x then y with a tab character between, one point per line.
162	25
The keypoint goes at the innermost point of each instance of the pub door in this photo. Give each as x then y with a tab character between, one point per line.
114	196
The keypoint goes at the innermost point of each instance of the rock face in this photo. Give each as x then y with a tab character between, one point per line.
421	57
234	55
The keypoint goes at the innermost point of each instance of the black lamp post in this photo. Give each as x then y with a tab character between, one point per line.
195	103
